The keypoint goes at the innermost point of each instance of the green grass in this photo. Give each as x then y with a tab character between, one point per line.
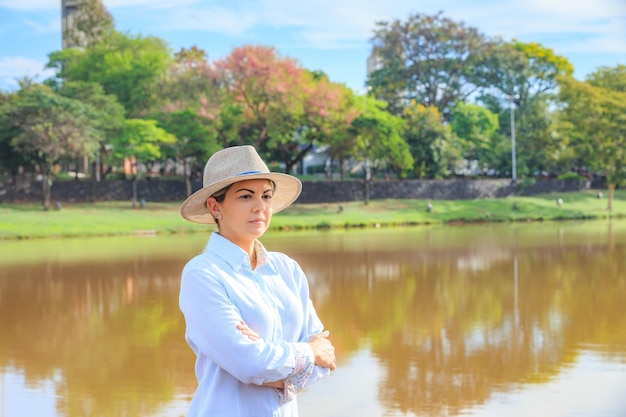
26	221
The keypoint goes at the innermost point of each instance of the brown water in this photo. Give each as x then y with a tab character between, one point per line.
490	320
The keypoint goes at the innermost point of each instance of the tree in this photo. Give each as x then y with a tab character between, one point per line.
610	78
106	114
431	60
378	142
329	110
341	136
89	23
274	94
50	127
431	143
523	80
191	82
269	89
126	66
196	141
593	121
140	140
476	127
11	161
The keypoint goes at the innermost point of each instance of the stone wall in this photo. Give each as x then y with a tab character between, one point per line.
313	191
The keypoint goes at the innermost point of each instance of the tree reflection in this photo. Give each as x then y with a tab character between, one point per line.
110	330
451	327
442	312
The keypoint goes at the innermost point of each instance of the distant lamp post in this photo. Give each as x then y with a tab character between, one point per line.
514	102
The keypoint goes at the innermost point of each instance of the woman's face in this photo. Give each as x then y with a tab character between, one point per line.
246	211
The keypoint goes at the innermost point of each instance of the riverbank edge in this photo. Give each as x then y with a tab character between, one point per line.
29	221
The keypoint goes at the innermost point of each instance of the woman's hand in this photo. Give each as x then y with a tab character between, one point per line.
276	384
324	350
254	336
246	331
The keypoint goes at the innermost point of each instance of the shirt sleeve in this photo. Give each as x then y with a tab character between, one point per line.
312	326
211	331
295	382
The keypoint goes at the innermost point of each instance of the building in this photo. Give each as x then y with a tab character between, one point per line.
68	8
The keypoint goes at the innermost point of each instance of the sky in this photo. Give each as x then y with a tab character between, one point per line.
328	35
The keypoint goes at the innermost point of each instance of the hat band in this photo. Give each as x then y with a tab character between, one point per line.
249	172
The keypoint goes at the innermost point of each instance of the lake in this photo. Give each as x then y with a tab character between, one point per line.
522	319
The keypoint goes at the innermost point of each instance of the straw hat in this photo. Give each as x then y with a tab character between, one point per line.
231	165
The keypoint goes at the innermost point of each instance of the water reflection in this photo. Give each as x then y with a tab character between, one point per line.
429	321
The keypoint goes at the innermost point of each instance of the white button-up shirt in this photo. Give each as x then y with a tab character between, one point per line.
218	290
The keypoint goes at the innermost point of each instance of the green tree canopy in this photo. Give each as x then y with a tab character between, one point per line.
49	127
593	121
432	60
432	144
140	141
475	127
378	142
196	141
126	66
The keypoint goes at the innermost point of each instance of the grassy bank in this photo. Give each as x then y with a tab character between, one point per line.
26	221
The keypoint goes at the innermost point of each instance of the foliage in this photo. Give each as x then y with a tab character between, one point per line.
284	108
141	139
432	60
610	78
523	77
270	91
593	120
11	160
431	143
48	127
571	176
378	140
195	143
126	66
475	127
191	82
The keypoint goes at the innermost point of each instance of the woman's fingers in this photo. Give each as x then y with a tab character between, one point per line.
247	331
324	350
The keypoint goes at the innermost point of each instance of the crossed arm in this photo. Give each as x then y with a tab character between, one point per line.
323	350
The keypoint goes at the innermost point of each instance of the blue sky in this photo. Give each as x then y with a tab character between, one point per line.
328	35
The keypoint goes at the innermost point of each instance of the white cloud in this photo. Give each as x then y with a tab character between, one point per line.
210	19
30	4
13	68
340	23
56	4
337	24
49	26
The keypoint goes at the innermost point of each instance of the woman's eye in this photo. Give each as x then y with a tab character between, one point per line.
267	196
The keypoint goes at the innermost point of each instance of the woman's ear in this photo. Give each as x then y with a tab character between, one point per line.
213	206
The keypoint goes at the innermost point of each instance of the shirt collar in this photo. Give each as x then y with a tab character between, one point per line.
233	254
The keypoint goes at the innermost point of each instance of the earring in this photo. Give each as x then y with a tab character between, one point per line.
217	216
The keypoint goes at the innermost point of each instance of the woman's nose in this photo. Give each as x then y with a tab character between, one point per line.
261	204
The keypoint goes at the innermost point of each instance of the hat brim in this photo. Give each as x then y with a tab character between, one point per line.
288	189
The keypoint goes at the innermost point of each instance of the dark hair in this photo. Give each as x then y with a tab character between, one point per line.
220	194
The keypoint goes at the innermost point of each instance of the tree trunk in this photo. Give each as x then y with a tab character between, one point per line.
135	191
46	184
611	195
187	177
341	168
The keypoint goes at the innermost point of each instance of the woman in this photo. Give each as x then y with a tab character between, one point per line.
257	338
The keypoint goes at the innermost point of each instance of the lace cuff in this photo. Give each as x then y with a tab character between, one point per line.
295	382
